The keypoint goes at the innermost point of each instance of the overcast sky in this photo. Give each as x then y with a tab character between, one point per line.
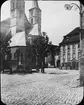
56	20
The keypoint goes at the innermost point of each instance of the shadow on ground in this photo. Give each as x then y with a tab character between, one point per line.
58	73
27	72
19	72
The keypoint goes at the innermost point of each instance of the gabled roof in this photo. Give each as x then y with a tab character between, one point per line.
75	31
5	25
72	37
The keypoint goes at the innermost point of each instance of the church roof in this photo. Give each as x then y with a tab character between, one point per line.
5	27
28	25
18	39
5	22
30	29
34	30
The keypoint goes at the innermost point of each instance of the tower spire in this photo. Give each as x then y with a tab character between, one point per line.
35	4
35	15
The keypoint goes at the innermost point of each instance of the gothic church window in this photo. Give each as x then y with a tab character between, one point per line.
12	4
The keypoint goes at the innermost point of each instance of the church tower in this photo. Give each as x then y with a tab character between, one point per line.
35	15
17	14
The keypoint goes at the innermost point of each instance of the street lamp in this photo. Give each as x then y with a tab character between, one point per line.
81	62
69	7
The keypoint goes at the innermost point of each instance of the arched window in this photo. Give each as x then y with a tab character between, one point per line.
12	4
31	21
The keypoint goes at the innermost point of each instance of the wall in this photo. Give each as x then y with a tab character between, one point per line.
66	61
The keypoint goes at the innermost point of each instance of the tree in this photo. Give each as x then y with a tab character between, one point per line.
40	48
4	50
44	49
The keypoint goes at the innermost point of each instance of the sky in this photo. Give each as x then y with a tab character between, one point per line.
56	20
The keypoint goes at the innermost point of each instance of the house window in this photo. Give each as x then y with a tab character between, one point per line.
64	50
74	51
63	58
68	53
64	54
68	48
67	38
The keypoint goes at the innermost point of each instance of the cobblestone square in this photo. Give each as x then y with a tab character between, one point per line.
54	87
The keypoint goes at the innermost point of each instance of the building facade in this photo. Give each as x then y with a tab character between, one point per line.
70	50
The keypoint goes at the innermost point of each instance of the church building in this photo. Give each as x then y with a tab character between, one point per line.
20	30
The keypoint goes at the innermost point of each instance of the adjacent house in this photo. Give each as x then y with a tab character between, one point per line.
70	50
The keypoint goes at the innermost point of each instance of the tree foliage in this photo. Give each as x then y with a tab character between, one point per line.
38	46
4	49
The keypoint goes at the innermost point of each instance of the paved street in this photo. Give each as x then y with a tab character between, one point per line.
55	87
